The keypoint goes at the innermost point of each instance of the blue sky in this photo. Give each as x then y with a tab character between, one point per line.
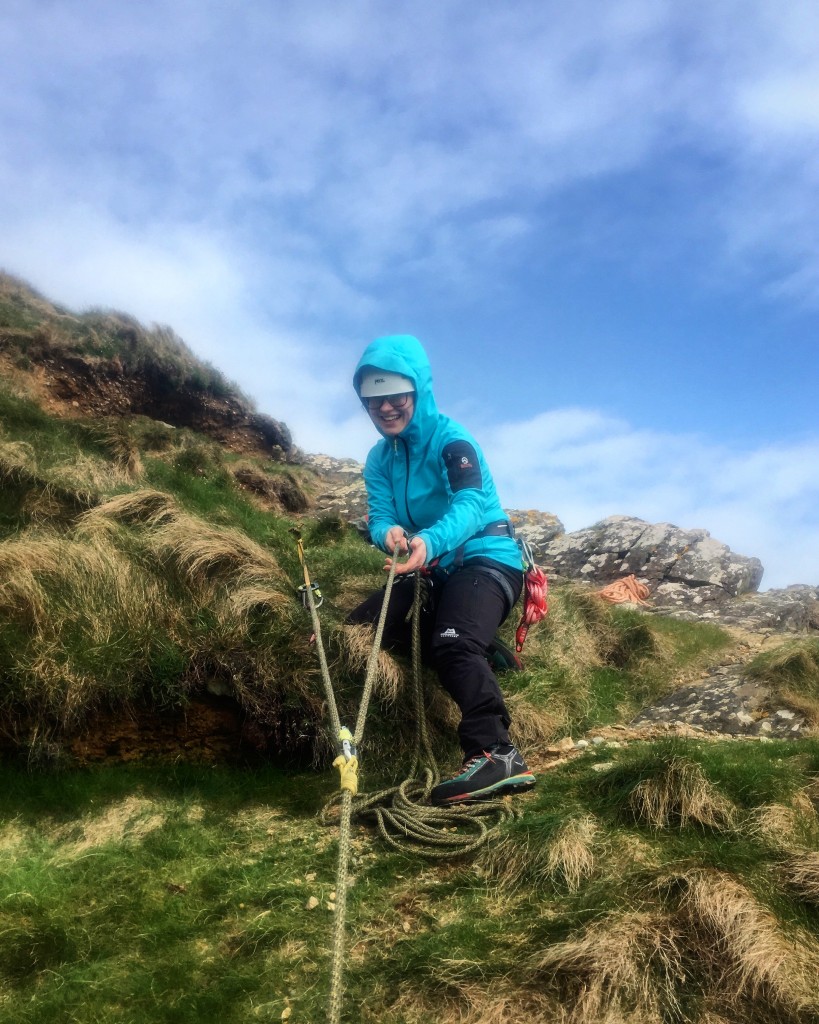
599	218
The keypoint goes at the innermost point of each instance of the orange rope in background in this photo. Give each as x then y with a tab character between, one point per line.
628	589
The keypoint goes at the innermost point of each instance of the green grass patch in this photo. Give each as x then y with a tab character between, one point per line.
181	891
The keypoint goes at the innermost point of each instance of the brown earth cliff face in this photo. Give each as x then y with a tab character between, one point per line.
72	385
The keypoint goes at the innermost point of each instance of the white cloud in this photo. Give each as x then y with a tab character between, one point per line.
374	128
584	466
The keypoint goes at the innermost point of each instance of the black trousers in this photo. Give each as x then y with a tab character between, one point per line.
464	613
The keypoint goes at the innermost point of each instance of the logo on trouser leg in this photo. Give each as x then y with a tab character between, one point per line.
449	634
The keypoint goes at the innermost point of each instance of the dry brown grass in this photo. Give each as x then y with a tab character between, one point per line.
572	634
515	862
355	644
803	703
571	855
24	560
130	820
532	726
801	873
56	587
680	794
145	507
626	966
208	557
473	1003
16	458
637	965
792	671
782	826
212	556
88	474
49	495
748	953
124	451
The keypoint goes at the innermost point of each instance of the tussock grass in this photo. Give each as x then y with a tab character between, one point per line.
748	947
801	872
120	442
662	788
782	826
471	1003
40	496
571	855
17	460
532	725
626	966
792	672
713	949
680	793
208	555
87	624
145	507
553	853
355	645
591	663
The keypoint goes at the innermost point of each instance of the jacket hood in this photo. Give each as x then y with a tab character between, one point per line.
404	354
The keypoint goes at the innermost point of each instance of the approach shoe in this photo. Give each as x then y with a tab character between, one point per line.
494	772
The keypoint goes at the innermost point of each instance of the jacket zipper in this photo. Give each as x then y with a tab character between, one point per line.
406	482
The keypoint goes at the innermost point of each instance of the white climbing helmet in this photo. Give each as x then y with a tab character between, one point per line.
375	383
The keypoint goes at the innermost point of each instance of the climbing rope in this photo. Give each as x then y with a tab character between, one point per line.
404	818
535	589
627	590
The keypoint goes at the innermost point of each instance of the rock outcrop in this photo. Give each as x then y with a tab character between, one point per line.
689	574
340	490
538	529
658	555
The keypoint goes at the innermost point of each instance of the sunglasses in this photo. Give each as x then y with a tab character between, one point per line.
396	401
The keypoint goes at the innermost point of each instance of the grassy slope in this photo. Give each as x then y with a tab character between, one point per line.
182	893
656	882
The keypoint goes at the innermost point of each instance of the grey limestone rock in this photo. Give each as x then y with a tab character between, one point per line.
657	554
536	528
793	609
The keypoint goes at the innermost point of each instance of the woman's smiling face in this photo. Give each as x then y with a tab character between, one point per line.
388	417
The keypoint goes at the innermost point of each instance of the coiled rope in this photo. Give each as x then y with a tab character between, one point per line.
401	813
627	590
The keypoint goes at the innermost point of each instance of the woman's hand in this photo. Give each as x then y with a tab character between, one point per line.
417	558
396	540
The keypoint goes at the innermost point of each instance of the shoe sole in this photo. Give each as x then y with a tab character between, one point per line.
523	781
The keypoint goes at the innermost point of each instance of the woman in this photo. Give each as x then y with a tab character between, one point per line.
431	496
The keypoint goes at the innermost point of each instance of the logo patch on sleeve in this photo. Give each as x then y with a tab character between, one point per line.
462	466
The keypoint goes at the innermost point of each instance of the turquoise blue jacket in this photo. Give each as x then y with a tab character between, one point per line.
432	478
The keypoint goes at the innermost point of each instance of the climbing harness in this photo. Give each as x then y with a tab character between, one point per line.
402	814
535	589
